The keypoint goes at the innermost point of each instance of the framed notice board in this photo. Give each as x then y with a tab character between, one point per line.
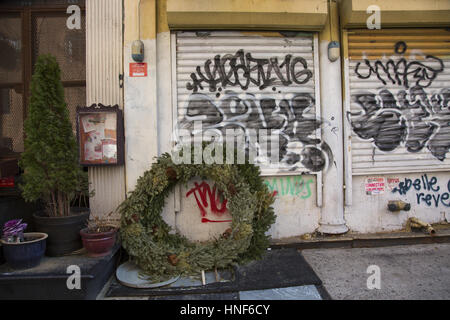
100	135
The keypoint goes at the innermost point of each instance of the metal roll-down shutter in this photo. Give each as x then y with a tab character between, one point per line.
253	80
397	100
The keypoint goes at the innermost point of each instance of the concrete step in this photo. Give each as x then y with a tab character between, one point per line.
49	279
285	268
361	240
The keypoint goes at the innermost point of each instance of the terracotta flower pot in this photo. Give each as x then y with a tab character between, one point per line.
98	244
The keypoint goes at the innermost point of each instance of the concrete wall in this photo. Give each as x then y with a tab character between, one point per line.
428	194
203	213
295	205
140	93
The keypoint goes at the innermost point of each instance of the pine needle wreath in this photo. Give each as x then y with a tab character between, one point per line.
161	254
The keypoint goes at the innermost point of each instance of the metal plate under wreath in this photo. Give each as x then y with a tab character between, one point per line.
130	275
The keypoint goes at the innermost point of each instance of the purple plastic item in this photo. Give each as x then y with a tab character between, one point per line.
13	228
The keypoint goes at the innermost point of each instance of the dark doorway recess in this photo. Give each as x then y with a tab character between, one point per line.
28	29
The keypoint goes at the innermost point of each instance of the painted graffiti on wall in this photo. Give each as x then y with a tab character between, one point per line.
427	190
412	117
213	206
207	197
287	119
221	100
401	71
298	186
242	65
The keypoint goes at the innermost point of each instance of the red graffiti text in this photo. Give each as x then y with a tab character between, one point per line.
201	193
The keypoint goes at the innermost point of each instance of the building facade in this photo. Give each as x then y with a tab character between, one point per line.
360	108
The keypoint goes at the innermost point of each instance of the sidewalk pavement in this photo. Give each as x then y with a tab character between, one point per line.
281	275
419	272
406	272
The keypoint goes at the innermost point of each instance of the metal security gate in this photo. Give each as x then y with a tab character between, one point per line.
104	65
253	80
397	93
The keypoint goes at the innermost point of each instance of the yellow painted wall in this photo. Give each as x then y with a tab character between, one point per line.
330	31
254	14
153	14
147	20
161	19
397	13
157	15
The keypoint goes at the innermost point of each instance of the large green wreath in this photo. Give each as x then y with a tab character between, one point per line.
157	251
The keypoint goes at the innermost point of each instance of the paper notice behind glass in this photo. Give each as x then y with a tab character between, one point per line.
88	123
93	146
110	121
109	150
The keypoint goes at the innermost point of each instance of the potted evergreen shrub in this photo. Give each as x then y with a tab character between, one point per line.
99	236
22	250
50	161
